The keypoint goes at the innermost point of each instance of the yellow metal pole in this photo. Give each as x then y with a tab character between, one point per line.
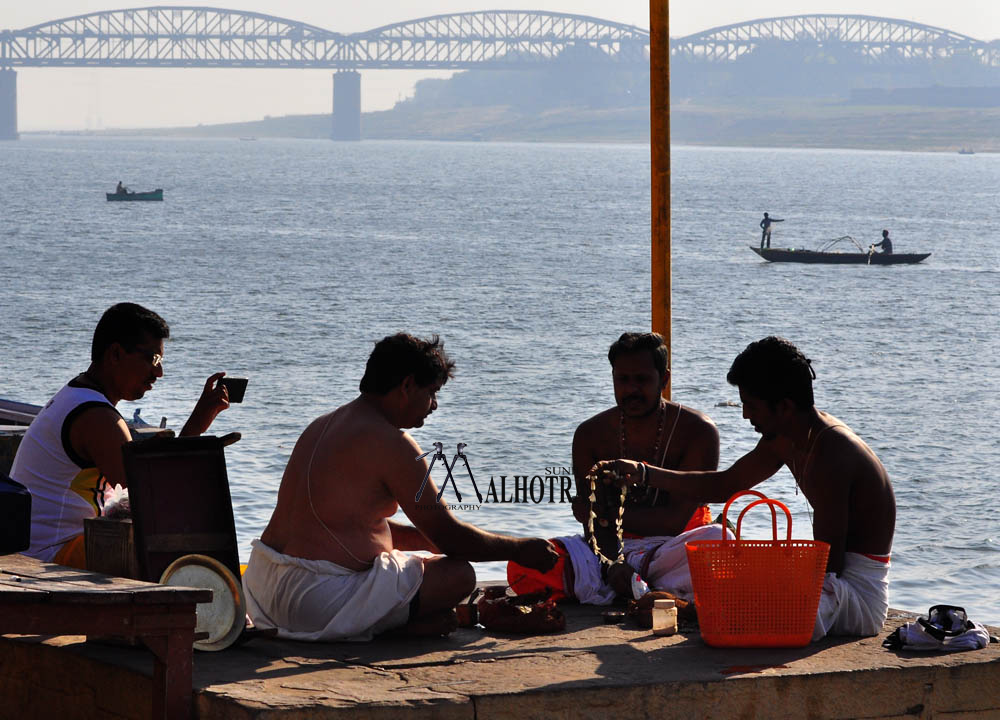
659	126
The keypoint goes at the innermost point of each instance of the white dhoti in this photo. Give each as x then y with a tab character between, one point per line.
857	602
321	601
667	570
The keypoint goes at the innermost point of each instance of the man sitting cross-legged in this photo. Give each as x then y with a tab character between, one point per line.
845	483
329	565
645	427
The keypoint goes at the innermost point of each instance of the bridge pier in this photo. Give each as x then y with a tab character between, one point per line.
8	104
346	105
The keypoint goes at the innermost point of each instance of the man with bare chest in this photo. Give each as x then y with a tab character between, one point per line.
329	565
845	483
644	427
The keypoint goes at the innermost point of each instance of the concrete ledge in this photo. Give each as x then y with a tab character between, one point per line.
590	671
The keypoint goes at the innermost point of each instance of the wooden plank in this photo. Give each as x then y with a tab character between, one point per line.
189	542
44	599
45	592
71	618
20	575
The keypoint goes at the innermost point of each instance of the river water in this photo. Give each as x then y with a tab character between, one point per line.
284	260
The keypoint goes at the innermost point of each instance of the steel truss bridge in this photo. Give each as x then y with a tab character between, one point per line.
213	37
200	37
877	40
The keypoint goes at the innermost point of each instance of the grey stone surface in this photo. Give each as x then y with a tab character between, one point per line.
591	670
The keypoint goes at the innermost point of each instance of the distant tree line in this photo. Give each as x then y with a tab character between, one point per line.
580	77
791	69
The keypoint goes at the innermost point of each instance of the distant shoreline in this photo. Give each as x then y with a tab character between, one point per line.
814	124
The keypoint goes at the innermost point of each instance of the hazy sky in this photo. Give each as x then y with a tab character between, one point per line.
54	98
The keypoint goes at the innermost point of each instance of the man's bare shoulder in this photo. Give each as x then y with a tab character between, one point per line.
598	424
697	420
381	436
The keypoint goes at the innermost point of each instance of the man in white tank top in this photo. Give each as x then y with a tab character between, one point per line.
71	453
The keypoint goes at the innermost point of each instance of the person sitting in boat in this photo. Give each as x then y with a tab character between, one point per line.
645	427
886	243
765	226
329	565
71	455
844	482
121	189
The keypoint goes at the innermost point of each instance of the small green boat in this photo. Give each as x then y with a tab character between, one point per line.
151	195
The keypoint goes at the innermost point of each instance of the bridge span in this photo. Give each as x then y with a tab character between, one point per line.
198	37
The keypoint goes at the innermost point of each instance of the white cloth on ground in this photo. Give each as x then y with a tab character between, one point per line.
913	636
321	601
588	587
668	568
857	602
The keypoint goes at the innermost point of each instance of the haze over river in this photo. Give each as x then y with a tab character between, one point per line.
283	261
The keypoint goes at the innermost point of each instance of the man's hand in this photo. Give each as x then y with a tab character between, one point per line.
618	472
537	553
214	399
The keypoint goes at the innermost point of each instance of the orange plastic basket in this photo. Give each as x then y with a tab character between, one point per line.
757	593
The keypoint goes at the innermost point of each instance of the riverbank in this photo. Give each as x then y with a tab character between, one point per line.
758	123
591	670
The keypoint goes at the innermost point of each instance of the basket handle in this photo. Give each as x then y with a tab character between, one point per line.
736	496
774	520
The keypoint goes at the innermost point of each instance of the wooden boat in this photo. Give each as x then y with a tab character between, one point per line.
21	414
149	195
826	254
17	413
838	258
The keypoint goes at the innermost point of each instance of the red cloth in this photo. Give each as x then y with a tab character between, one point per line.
701	516
524	581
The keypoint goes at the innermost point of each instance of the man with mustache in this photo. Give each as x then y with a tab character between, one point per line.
329	566
845	483
645	427
71	454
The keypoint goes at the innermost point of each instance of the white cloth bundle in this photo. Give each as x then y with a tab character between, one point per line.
668	568
945	627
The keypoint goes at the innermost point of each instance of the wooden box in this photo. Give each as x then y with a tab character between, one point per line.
110	546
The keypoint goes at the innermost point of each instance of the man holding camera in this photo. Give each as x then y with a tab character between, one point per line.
71	454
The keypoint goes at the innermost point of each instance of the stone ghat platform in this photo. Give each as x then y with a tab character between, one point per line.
591	670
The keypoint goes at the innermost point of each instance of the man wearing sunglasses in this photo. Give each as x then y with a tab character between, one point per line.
71	453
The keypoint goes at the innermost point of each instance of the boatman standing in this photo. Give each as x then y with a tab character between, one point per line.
765	226
849	490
